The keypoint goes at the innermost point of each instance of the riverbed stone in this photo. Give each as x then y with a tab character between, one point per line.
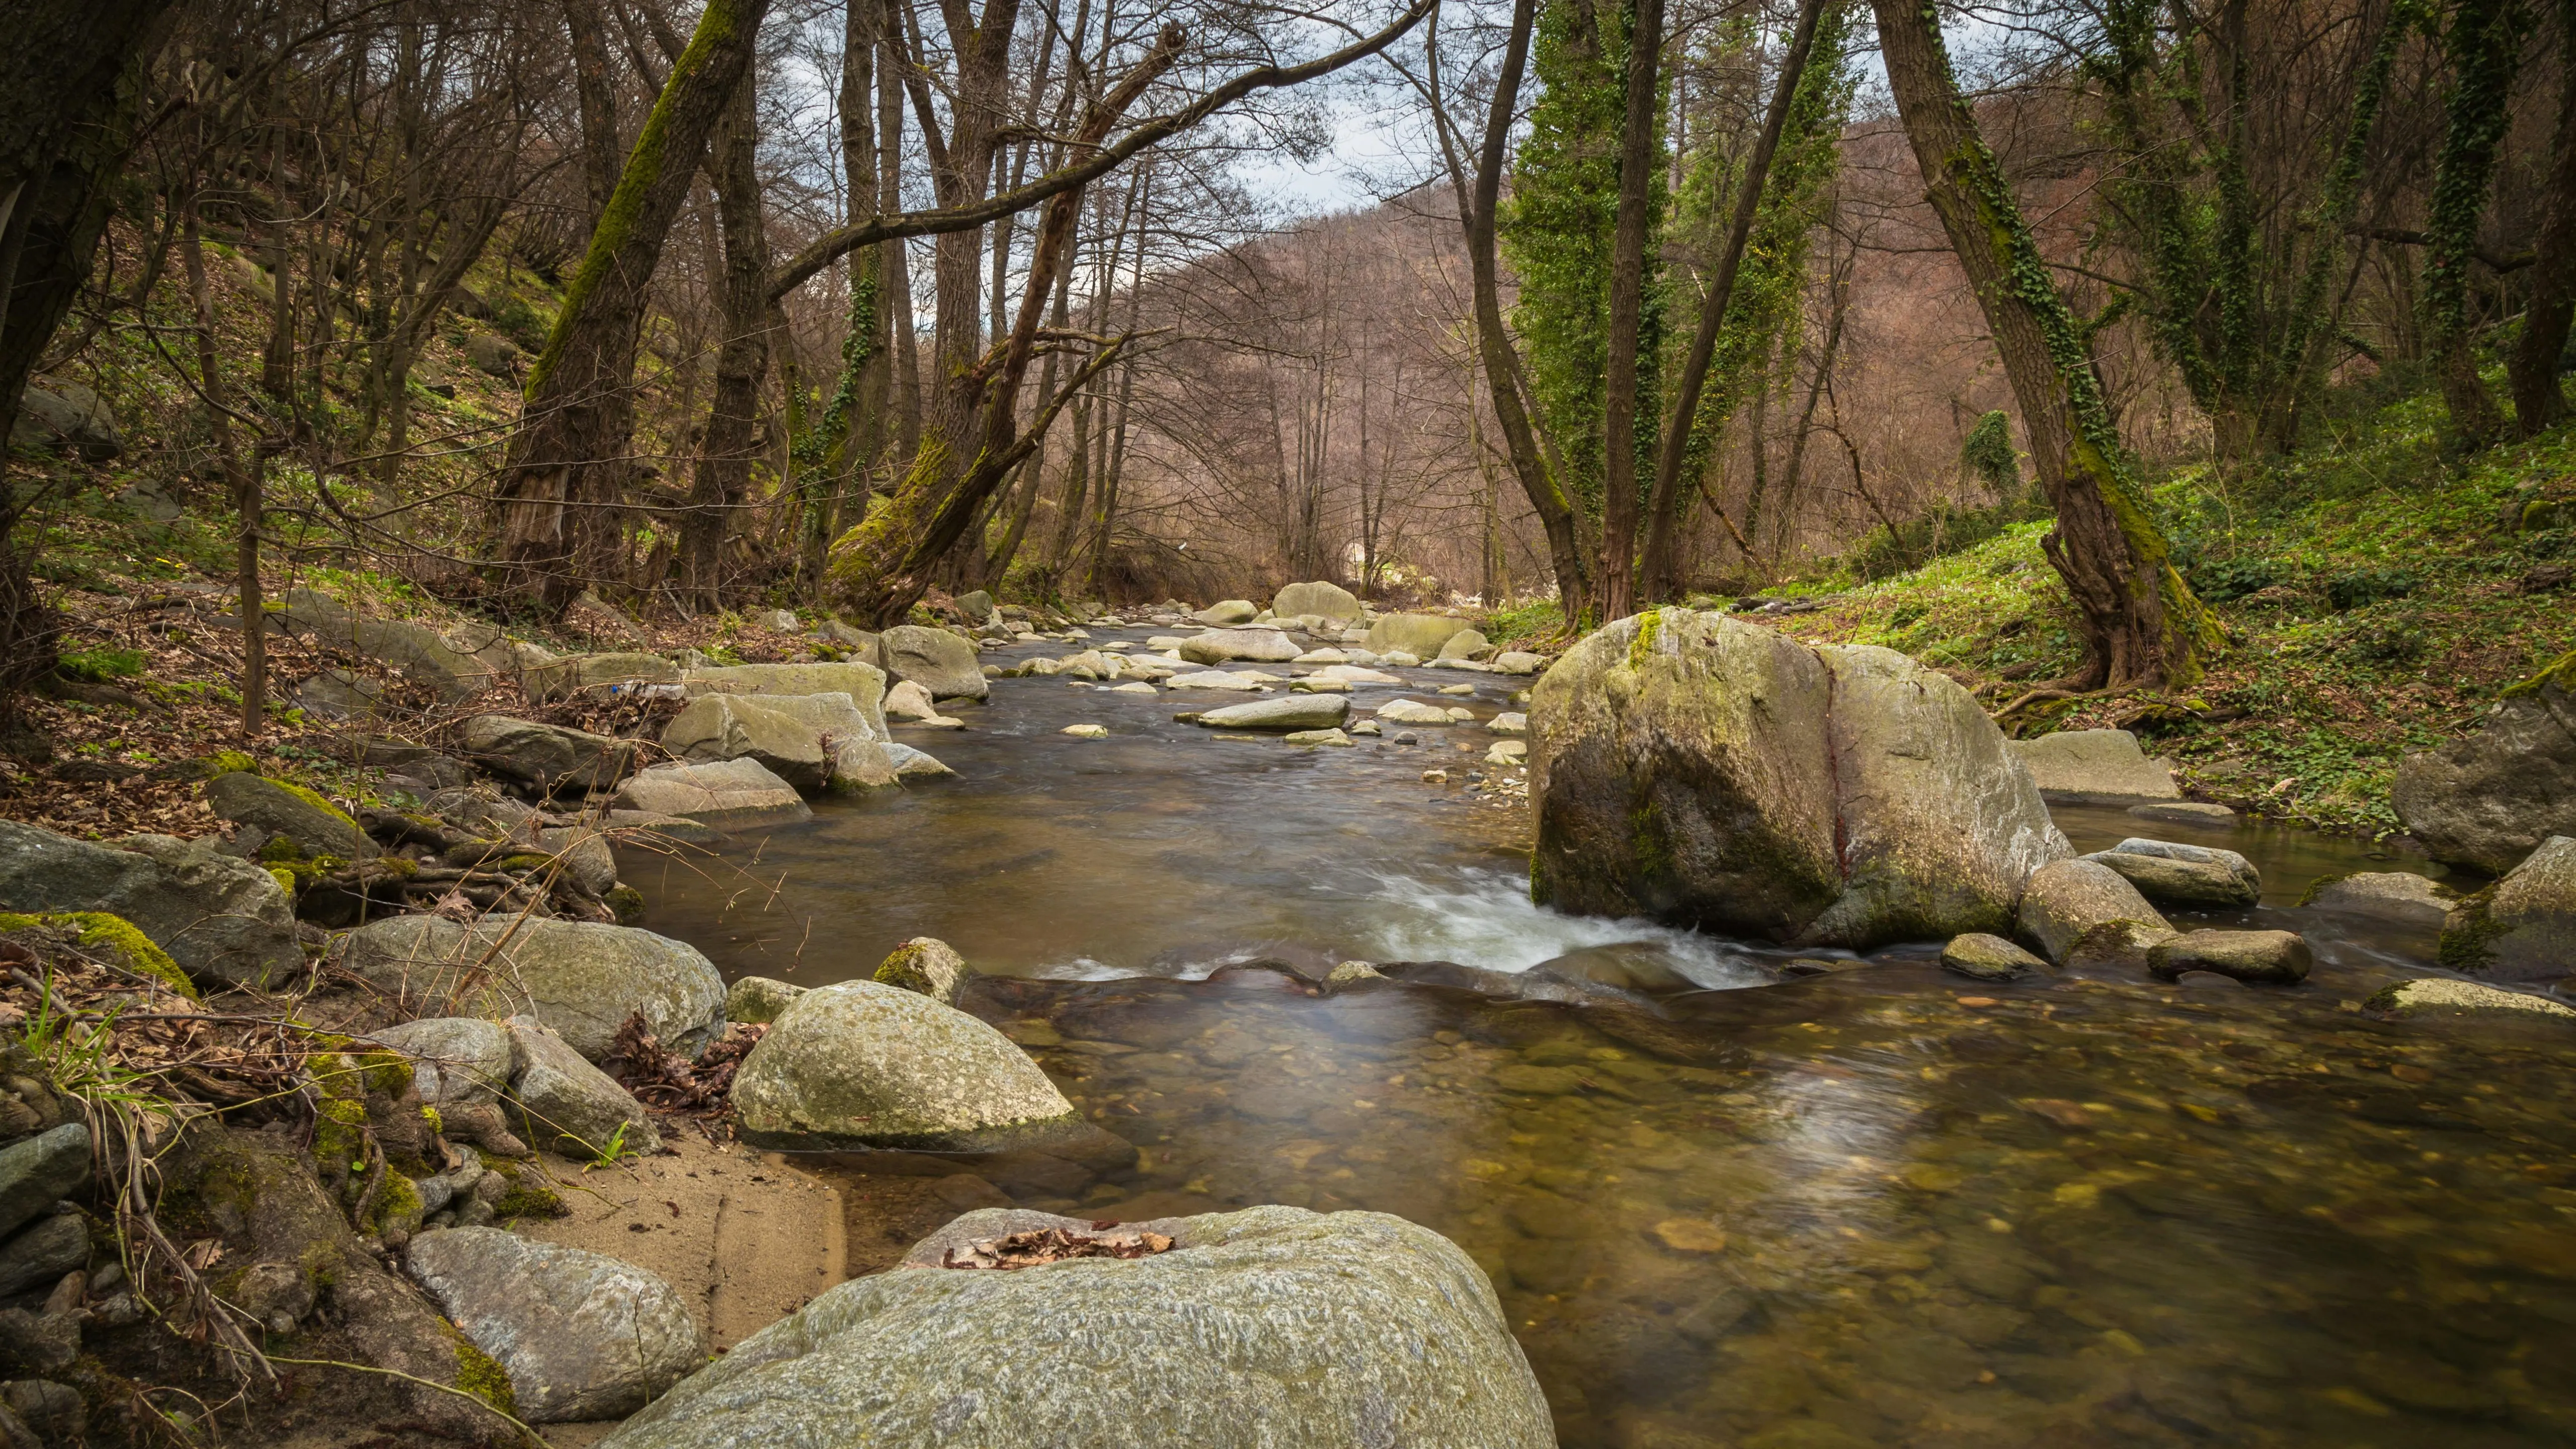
853	741
1420	635
220	917
1330	600
1697	769
562	1103
914	764
1332	737
1412	712
759	998
580	977
40	1170
1466	644
582	1335
910	702
1509	722
866	1064
313	823
2190	876
2102	767
2185	812
2258	958
727	794
544	757
2393	895
1286	712
2522	928
928	965
716	727
456	1060
939	661
1228	611
2490	798
1518	661
1217	646
2065	899
1983	957
2448	996
1273	1326
864	683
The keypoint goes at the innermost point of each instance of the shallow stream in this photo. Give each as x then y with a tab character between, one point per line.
1875	1207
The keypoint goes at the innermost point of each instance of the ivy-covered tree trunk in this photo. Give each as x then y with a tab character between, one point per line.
731	438
2141	623
1624	397
2484	46
566	468
2532	370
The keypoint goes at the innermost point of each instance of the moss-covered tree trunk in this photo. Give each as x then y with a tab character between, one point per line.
2532	370
2484	46
732	434
566	469
2141	623
1624	432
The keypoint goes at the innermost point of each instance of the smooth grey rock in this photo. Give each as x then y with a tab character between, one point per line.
1285	712
1466	644
727	794
1333	738
864	683
2391	895
1329	600
2171	874
913	764
220	917
1261	646
455	1059
65	417
2094	767
339	694
317	825
564	1104
491	353
928	965
717	727
579	977
2264	958
43	1252
1412	712
547	758
1229	611
1420	635
52	1410
2064	900
37	1172
777	621
1271	1328
938	661
563	678
584	855
2490	798
423	655
676	829
861	1063
1691	767
1509	722
2522	928
853	739
1517	661
976	605
759	998
2448	996
582	1335
1983	957
909	701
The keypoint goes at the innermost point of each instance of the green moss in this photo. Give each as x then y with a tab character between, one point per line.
2468	935
281	850
110	934
231	762
1642	644
315	800
397	1204
627	902
528	1196
285	880
2559	674
524	861
479	1374
436	1123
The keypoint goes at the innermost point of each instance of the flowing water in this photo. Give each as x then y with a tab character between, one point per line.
1874	1207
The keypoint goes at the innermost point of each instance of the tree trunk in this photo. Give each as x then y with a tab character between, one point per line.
1544	487
2141	623
1617	579
595	87
2485	51
731	437
566	467
2532	370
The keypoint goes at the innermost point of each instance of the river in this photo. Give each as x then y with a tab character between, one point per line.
1880	1206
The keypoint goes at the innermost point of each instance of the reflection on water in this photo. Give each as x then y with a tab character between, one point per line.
1872	1208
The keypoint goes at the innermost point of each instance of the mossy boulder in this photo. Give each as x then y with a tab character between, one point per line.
1420	635
111	938
716	727
2066	902
579	977
864	1064
1329	600
287	810
543	757
1695	769
941	662
928	965
759	999
2490	798
2522	928
220	918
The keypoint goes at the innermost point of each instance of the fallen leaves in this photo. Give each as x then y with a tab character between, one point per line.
1053	1245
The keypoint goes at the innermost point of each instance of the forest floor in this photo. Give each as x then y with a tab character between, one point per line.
2377	596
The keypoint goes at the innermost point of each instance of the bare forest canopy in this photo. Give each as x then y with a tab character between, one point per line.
697	303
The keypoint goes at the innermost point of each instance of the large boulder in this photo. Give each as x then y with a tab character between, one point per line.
937	660
220	917
2490	798
1287	712
738	727
65	417
2390	895
1228	611
582	1335
2196	877
2522	928
865	684
853	739
313	823
728	794
2089	767
2066	900
580	977
544	757
563	678
863	1064
1466	644
456	1060
1216	646
1332	601
1273	1326
1420	635
447	668
2262	958
1696	769
564	1104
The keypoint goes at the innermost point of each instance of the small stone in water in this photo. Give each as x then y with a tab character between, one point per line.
1434	777
1690	1235
1087	731
1405	737
1457	689
1367	727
